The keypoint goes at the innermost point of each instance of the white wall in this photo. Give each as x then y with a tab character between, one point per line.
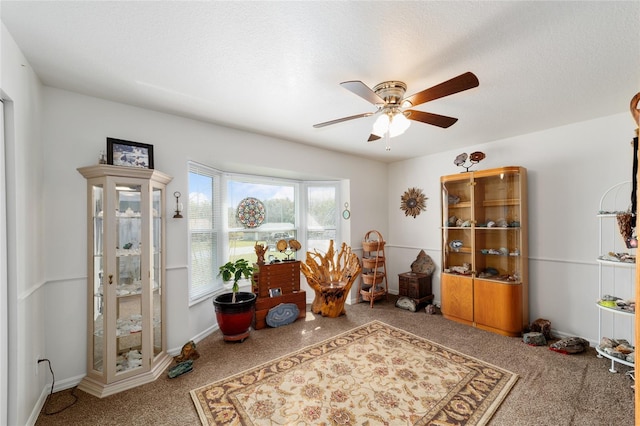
75	130
21	91
569	168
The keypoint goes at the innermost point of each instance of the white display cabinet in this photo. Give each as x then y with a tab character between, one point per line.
126	273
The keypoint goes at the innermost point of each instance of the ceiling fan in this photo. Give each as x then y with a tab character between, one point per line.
388	98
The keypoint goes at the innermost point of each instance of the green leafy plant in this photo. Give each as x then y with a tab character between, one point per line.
235	271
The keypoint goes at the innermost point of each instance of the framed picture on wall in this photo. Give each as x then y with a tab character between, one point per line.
129	154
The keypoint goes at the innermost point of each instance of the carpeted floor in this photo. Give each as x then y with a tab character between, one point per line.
552	389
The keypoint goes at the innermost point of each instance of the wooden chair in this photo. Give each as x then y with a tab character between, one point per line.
331	276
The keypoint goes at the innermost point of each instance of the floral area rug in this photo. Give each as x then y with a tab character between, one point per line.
375	374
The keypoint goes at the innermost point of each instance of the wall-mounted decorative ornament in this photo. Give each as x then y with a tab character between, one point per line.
179	207
413	202
251	212
474	158
346	214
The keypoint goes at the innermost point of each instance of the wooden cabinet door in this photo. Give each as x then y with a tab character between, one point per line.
457	297
498	307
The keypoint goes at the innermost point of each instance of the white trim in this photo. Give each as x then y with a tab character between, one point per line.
197	338
61	385
4	286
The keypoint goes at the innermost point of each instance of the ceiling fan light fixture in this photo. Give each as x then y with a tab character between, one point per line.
394	124
381	125
398	125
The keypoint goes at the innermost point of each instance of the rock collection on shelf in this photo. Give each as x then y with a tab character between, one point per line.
618	348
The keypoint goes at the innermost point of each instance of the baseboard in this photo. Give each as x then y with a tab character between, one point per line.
31	421
198	337
60	385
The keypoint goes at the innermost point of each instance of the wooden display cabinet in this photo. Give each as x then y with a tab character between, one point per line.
126	332
484	280
281	277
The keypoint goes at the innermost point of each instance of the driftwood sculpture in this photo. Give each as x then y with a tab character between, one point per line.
331	277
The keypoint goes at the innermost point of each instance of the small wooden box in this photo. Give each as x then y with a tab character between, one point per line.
416	286
284	276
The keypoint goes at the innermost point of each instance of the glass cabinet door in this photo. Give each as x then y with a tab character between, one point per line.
497	227
129	279
457	233
156	268
97	314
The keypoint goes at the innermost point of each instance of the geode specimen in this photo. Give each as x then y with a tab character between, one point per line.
534	338
180	369
282	314
423	264
189	352
570	345
543	326
406	303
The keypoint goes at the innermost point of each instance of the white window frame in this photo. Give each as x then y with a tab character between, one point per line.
214	285
221	226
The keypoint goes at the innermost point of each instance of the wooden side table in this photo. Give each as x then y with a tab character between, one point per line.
416	286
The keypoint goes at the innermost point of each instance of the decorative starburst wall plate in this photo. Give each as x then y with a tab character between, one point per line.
413	202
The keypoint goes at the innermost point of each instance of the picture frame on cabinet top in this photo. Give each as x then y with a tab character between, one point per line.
129	154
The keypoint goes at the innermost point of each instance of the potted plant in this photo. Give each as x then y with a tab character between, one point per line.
235	310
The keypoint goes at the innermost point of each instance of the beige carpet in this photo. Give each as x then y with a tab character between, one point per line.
373	374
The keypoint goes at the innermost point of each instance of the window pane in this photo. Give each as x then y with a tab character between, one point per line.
203	262
260	213
321	211
200	201
203	242
322	217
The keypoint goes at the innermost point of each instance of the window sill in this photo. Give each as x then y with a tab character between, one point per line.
245	285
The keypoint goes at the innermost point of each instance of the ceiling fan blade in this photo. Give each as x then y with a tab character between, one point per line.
429	118
362	90
373	137
457	84
340	120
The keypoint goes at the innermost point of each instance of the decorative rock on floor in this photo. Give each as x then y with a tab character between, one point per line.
543	326
406	303
534	338
180	369
570	345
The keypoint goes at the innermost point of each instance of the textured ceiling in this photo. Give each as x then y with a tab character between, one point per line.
274	67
